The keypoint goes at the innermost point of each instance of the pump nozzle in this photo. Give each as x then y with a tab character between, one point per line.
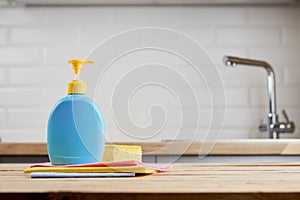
77	64
77	86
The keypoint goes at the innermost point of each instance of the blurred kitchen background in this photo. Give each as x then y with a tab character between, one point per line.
37	41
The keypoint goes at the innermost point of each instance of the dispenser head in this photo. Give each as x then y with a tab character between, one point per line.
77	86
77	64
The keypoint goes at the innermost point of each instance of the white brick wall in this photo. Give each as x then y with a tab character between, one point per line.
291	76
37	42
254	36
43	36
21	17
20	97
11	55
3	36
278	16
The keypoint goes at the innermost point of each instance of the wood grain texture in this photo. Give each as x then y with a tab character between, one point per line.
19	149
230	147
185	181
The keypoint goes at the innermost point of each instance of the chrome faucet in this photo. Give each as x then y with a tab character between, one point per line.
274	127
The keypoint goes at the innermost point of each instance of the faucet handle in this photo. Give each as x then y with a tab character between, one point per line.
285	115
287	127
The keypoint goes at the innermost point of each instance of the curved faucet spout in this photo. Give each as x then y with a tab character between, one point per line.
272	116
234	61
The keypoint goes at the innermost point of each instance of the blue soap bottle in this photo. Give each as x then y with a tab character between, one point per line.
76	127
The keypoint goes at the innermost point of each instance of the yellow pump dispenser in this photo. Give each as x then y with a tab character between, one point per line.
77	86
75	133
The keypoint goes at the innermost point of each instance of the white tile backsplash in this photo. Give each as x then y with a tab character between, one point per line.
254	36
131	17
20	97
60	54
286	97
23	135
3	36
199	16
74	17
290	36
274	15
204	35
20	16
44	36
291	75
3	76
237	97
39	76
20	55
51	95
276	56
243	76
37	42
243	118
18	118
2	118
88	37
217	53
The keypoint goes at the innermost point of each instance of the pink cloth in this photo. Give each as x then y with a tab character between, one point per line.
157	167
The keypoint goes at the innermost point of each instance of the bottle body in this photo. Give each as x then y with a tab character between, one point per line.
75	132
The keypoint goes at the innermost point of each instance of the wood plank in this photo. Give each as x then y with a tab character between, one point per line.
273	182
19	149
147	196
232	147
183	179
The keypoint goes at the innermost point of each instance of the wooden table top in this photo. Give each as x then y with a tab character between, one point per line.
185	181
223	147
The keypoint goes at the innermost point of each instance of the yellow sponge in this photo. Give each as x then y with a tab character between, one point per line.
122	152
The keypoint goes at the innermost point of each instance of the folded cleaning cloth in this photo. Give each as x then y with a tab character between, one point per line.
78	175
104	167
157	167
134	169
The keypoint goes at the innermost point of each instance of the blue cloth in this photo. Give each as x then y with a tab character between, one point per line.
78	175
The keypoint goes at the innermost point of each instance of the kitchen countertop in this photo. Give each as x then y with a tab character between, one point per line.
223	147
185	181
